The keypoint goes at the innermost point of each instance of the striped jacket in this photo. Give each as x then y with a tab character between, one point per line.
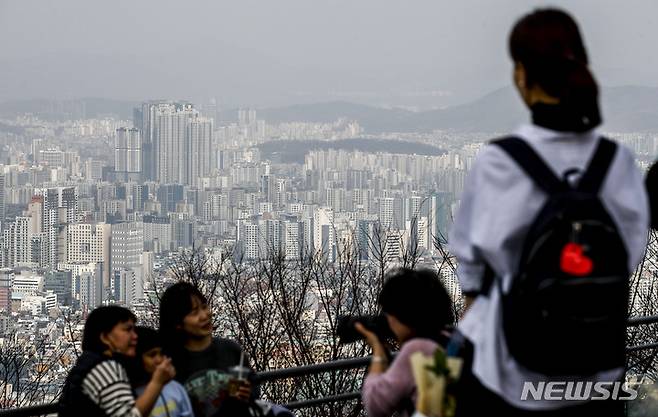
98	386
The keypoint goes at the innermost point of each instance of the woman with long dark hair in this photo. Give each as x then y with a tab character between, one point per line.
203	362
551	223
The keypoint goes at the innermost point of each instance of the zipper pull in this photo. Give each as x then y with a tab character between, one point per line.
576	227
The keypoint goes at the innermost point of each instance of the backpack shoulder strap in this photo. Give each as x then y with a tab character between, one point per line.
598	167
532	164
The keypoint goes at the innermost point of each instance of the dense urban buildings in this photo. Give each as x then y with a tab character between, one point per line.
97	211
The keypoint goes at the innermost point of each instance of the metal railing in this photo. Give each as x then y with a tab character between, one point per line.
638	321
265	376
318	368
32	411
332	366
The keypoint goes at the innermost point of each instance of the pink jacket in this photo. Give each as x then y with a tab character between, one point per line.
383	394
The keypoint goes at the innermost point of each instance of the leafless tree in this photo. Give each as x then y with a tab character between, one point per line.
643	302
284	311
31	369
72	321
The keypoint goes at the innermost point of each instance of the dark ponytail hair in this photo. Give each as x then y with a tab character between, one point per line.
549	45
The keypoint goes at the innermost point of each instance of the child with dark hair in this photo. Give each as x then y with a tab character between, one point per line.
202	361
418	310
173	401
98	384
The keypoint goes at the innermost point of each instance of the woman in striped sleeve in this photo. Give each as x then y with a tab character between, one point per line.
98	384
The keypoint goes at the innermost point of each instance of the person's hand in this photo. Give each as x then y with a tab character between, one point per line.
371	338
379	362
244	391
164	372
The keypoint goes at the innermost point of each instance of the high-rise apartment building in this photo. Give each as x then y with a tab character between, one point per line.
267	187
324	240
439	215
16	243
127	285
157	233
146	260
391	212
183	231
127	244
59	207
145	119
293	239
261	238
87	243
251	239
199	154
413	206
170	142
367	237
91	287
3	209
176	142
128	154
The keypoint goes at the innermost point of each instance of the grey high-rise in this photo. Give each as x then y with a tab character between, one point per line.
199	155
3	211
146	120
170	142
128	154
59	206
127	245
176	142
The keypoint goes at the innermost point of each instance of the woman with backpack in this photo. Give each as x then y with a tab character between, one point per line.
552	222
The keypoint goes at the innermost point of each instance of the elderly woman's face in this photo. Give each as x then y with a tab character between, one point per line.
402	331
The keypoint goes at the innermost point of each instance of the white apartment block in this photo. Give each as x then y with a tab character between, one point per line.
87	243
127	245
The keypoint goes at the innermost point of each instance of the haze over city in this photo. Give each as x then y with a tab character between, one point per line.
258	53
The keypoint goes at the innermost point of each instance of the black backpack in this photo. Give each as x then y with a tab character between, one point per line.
565	313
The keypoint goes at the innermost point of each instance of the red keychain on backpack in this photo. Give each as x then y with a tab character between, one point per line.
574	262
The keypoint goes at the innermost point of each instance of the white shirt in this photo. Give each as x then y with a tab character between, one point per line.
498	206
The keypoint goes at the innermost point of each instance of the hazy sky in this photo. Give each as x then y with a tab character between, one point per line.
270	52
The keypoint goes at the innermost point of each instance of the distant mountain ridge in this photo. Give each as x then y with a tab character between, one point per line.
625	109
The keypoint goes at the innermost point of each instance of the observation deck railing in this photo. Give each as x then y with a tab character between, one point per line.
286	373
